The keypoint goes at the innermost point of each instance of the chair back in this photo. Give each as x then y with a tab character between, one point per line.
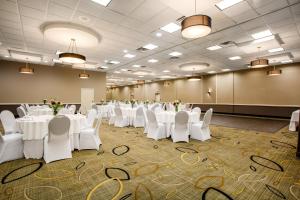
170	107
8	121
198	111
91	116
118	112
140	112
58	127
181	121
21	112
207	118
72	109
156	105
94	106
152	122
27	107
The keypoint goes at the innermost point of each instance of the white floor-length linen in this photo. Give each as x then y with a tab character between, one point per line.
11	147
294	122
180	132
57	145
200	130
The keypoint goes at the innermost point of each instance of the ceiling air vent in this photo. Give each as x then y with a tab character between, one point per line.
142	49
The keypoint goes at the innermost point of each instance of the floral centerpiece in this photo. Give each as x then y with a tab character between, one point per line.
44	101
176	104
56	106
132	101
127	102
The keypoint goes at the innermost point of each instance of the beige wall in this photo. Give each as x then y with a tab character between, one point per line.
251	87
48	82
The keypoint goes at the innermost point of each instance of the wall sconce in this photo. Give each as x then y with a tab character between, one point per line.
209	91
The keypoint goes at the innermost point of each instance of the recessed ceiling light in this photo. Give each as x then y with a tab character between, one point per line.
124	70
104	67
227	3
158	34
286	61
150	46
102	2
211	72
175	54
113	62
264	39
125	51
136	66
171	27
276	50
235	58
226	70
166	71
45	61
188	75
141	76
262	34
117	72
215	47
6	56
128	55
152	61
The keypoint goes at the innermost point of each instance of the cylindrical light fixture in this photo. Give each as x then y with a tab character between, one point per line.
72	58
196	26
261	62
26	69
194	78
140	81
274	72
84	75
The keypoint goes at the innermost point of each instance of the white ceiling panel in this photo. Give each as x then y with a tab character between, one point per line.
36	4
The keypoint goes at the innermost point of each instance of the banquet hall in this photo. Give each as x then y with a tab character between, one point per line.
149	99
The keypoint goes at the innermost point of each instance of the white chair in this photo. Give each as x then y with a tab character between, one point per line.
9	122
156	105
57	145
201	131
138	120
170	107
11	147
27	107
198	111
180	131
112	116
72	109
89	137
91	116
146	122
21	112
120	120
155	130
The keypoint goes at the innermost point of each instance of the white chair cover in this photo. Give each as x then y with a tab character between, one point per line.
72	109
89	138
201	131
146	121
155	130
8	121
57	144
21	112
11	147
120	120
138	120
112	116
198	111
180	130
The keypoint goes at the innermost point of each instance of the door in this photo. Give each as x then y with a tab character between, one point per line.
87	98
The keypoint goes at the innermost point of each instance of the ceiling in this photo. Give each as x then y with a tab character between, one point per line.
128	25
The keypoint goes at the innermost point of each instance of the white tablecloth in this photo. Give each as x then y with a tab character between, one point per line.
168	118
36	127
40	111
294	120
129	113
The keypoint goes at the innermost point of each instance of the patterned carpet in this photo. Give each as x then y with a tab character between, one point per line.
234	164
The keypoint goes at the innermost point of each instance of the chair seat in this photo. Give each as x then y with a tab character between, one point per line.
12	136
197	124
87	131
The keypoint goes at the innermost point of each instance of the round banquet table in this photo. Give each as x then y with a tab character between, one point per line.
40	111
35	128
129	114
168	118
105	109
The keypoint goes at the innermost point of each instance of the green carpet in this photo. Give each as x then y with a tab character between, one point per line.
234	164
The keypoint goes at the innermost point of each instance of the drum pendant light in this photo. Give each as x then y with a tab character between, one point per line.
274	72
259	62
84	75
196	26
26	69
71	56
